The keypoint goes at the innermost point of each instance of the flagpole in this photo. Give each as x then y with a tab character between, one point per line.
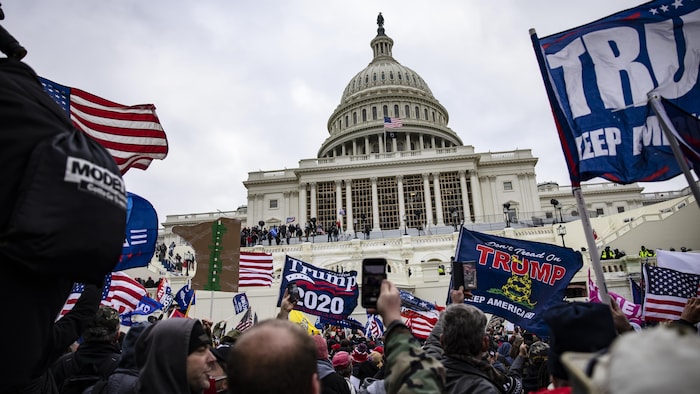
592	248
670	132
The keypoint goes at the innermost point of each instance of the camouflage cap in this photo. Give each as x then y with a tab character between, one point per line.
105	324
538	352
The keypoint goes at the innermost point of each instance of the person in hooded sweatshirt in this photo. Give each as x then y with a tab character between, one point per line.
175	357
331	381
123	380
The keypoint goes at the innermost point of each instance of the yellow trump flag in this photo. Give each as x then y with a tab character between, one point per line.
300	318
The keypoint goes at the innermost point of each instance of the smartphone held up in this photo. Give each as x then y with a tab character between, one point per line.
464	274
373	273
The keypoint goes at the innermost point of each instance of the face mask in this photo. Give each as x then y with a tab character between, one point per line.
216	385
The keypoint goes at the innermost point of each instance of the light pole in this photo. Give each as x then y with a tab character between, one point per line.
555	205
354	221
561	230
506	210
405	228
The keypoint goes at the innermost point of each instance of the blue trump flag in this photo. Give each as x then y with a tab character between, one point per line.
141	233
185	297
147	305
598	76
328	294
517	280
412	302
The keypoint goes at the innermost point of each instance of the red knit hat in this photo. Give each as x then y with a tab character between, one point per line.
342	360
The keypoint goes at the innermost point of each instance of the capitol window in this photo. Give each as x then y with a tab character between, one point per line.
273	204
508	186
407	110
374	113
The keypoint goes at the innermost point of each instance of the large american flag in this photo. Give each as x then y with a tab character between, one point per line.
131	134
392	123
667	292
255	269
420	323
120	291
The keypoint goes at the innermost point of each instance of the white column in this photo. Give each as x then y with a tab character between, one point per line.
476	197
426	198
466	212
402	203
432	142
342	149
367	147
394	145
354	146
348	206
524	195
420	141
285	207
496	203
408	142
375	205
313	200
301	220
339	202
438	199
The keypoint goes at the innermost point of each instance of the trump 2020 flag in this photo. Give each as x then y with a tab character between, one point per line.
329	294
598	76
517	280
131	134
141	233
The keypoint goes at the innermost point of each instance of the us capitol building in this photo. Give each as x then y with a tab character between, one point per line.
411	187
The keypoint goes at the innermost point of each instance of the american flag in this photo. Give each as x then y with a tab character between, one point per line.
667	291
73	297
374	327
392	123
132	134
121	292
247	321
420	323
255	269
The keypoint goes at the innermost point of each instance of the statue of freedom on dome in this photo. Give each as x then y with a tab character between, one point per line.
380	20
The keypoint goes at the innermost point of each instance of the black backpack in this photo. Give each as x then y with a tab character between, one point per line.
82	379
63	196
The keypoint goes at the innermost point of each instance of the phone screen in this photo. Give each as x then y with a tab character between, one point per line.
373	272
469	275
464	274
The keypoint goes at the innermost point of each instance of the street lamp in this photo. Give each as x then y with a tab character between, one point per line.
405	228
561	230
354	221
555	204
506	211
417	213
454	217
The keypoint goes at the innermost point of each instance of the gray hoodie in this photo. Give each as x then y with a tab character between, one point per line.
162	351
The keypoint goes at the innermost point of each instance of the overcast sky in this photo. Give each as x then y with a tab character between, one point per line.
244	86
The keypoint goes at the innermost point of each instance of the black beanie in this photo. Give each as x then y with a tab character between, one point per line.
577	327
198	337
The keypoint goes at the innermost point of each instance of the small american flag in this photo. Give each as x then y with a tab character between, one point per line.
255	269
133	135
392	123
247	321
667	292
73	297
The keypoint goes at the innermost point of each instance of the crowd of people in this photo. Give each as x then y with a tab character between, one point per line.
463	354
257	235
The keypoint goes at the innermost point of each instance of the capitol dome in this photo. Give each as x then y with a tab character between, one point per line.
386	88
